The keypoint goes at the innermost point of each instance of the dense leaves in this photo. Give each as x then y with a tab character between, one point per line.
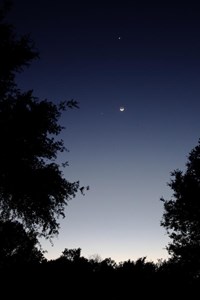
16	53
33	189
17	246
181	217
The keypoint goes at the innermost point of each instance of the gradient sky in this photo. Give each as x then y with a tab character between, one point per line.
153	70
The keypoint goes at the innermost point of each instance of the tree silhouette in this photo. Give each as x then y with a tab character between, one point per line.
71	254
16	53
17	246
181	215
32	187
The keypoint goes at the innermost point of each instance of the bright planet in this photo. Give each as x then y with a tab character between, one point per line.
121	108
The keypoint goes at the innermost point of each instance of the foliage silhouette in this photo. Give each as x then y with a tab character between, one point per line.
17	246
117	280
181	215
16	53
71	254
32	187
78	276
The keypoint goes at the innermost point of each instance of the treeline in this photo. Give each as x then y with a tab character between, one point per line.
73	273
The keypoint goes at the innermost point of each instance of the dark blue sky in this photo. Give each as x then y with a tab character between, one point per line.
153	70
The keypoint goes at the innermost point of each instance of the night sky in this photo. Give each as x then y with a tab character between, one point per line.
144	57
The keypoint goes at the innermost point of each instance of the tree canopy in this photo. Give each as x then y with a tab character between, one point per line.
17	246
33	189
181	215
